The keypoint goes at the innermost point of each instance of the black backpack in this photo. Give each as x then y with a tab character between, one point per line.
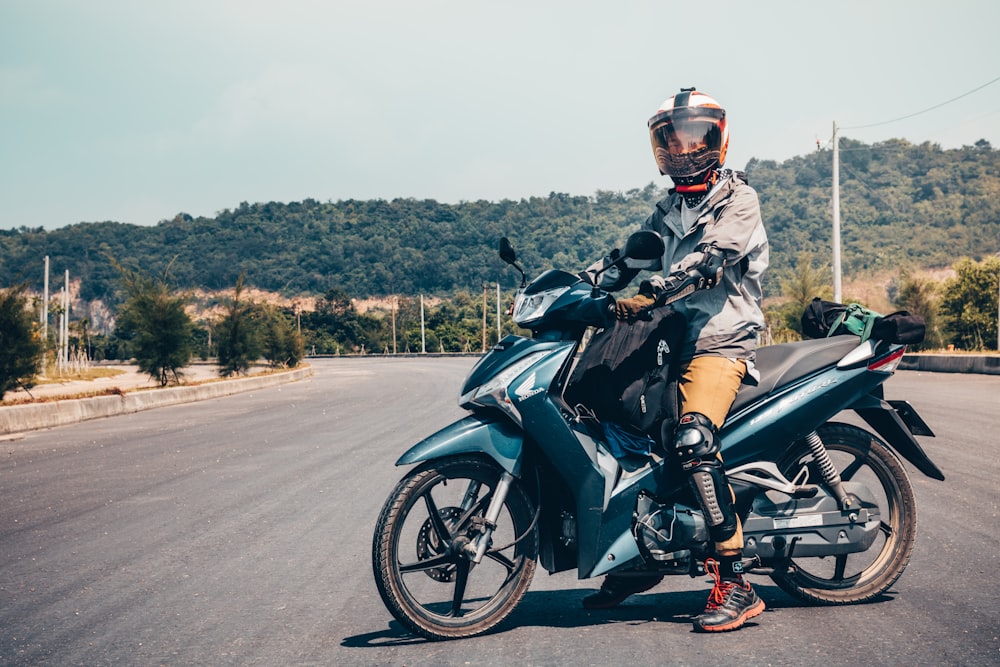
828	318
628	373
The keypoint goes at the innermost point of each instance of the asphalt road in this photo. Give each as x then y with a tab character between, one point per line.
237	532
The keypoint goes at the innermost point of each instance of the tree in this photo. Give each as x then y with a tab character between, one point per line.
798	288
155	324
20	343
918	296
969	304
336	324
238	337
283	346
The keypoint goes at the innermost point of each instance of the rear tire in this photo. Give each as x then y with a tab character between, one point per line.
859	456
424	577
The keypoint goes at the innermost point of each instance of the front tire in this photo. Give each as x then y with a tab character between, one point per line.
424	577
859	456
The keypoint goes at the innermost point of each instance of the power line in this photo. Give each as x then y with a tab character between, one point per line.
917	113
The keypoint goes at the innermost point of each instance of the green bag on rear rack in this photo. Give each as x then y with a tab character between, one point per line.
855	319
823	319
828	318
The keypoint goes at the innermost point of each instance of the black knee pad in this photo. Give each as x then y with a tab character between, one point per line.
696	445
695	438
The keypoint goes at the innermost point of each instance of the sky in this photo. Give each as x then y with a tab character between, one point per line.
137	111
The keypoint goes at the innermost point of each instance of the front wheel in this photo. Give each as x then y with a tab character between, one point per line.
861	457
422	570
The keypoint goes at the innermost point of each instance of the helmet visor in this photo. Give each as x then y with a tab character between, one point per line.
687	145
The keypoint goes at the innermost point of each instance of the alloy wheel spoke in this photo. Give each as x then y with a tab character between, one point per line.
502	560
428	564
840	567
850	471
461	580
440	529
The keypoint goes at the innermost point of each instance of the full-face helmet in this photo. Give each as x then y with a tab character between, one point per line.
690	137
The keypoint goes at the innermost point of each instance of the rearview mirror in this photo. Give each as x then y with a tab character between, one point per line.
644	244
507	253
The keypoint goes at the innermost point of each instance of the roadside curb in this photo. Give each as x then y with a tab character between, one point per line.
33	416
951	363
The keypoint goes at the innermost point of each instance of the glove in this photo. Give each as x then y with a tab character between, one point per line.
629	309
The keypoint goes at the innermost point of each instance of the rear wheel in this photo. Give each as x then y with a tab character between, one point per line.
424	575
861	457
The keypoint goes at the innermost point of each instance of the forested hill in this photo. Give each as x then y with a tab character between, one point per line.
902	205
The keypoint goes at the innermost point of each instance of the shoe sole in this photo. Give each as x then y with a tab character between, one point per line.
737	622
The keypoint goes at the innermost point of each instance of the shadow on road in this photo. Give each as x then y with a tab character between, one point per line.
563	609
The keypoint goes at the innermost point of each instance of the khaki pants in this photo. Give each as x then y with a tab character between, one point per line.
708	386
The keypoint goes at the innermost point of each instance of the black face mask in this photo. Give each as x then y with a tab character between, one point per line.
693	199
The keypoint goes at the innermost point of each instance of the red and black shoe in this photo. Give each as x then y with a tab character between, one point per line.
617	587
730	604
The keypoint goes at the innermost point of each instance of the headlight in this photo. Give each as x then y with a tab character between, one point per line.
494	392
531	307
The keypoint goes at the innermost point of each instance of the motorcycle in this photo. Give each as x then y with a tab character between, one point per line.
827	508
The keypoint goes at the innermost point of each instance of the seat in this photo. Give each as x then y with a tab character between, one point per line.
783	364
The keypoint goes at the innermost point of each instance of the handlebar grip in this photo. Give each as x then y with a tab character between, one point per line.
646	314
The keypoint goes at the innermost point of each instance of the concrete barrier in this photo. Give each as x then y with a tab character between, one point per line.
32	416
952	363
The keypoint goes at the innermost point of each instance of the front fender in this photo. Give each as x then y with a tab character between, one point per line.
498	438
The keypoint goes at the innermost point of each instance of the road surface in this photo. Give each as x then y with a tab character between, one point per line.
238	532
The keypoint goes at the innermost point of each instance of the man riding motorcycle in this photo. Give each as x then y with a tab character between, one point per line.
716	252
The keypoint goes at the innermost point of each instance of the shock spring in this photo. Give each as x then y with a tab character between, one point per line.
826	468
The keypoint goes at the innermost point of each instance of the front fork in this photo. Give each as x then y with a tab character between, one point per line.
476	549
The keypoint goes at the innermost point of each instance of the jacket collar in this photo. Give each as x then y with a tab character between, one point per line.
670	206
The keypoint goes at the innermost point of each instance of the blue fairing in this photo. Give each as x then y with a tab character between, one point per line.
500	440
506	352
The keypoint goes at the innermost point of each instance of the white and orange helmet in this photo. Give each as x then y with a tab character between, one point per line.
689	136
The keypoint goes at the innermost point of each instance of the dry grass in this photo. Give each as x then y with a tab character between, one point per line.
88	374
103	372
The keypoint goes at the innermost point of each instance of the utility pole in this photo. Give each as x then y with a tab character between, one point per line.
64	326
498	312
836	216
393	307
45	303
66	321
423	340
60	359
484	317
45	319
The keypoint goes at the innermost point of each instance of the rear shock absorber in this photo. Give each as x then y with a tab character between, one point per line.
826	468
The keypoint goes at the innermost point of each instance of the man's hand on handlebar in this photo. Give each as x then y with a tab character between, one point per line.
632	309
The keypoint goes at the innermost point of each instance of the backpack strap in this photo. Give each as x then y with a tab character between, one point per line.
869	317
835	325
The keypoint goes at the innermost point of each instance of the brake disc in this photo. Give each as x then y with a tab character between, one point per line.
430	545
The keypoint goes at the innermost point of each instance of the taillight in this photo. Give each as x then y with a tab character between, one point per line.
888	364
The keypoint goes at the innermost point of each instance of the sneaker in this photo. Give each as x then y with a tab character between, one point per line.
616	588
730	604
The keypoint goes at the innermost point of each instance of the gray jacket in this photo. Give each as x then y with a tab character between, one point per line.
723	320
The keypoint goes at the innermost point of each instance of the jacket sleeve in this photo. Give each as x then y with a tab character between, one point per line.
733	231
